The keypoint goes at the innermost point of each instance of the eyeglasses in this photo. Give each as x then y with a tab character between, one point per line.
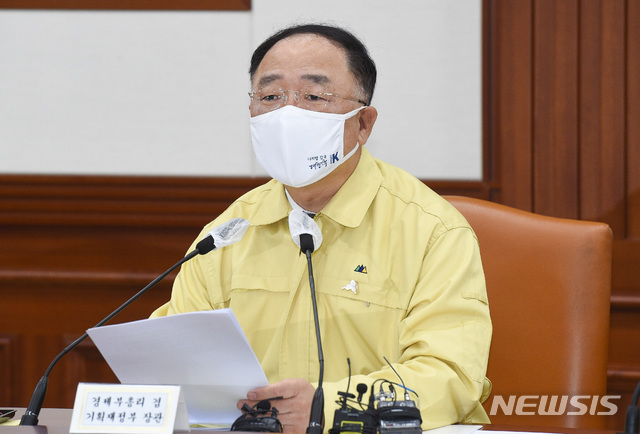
268	99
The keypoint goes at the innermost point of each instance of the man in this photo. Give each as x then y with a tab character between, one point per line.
398	274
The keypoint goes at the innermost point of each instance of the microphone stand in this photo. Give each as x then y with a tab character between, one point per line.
30	416
317	405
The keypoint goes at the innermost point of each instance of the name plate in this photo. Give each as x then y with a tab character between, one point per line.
128	408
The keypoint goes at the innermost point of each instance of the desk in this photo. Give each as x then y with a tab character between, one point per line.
53	420
57	421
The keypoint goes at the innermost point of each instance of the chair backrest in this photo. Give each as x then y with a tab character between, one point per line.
549	285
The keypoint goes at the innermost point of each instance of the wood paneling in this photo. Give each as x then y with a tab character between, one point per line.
602	108
85	364
509	72
76	247
566	132
632	94
9	365
555	108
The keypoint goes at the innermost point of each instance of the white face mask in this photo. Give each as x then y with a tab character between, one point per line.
299	147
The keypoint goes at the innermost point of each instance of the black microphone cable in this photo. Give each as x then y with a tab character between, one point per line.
317	405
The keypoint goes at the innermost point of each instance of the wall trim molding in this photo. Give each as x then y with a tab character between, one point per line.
196	5
63	200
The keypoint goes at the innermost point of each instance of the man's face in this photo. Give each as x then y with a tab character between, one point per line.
311	61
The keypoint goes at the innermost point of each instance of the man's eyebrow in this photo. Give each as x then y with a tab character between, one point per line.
268	79
316	78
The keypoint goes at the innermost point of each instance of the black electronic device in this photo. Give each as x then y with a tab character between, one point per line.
386	412
349	419
399	417
396	415
262	417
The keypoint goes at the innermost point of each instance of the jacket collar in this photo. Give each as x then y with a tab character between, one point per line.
348	207
350	204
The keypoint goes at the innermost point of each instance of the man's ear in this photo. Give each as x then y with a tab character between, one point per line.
367	118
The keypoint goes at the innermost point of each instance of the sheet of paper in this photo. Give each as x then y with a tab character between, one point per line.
470	429
205	352
455	429
488	430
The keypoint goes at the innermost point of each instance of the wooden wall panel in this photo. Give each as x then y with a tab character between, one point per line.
10	367
510	77
6	366
555	108
578	155
45	310
590	108
76	247
85	364
631	273
602	121
557	84
633	122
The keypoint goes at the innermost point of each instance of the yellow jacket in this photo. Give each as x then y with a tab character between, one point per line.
418	294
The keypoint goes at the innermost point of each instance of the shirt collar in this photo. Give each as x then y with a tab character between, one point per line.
348	207
274	205
350	204
294	205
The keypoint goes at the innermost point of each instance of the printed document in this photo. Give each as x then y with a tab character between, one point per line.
206	353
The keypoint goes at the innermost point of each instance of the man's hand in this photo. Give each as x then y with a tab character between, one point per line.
293	408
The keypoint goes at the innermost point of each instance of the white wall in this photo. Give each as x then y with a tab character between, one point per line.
165	93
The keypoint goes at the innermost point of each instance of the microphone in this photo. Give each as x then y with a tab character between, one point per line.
221	236
307	235
362	389
225	234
